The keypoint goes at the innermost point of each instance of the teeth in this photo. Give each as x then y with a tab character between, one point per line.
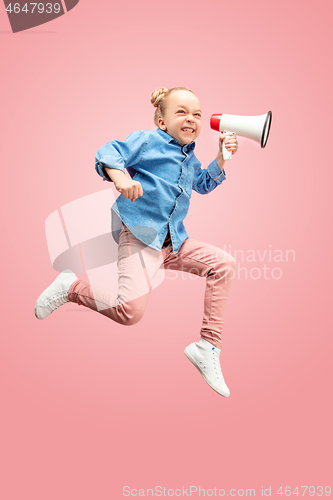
188	130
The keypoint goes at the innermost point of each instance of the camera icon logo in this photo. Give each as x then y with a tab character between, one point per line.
79	238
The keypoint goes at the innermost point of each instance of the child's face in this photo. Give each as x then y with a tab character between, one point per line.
182	119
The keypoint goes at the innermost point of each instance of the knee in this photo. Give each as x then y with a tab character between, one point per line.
231	263
227	267
132	318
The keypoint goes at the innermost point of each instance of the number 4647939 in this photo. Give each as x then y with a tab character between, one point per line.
38	7
306	490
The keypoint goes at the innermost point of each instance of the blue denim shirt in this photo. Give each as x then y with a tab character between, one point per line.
167	172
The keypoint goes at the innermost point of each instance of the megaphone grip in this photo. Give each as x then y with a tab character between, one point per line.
227	155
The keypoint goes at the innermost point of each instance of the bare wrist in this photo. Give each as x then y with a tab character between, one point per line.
220	161
114	173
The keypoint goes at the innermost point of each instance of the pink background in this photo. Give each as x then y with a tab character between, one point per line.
89	406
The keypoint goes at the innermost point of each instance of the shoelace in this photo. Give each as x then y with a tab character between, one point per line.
57	300
217	366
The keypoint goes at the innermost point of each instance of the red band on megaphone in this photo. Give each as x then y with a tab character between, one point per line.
215	122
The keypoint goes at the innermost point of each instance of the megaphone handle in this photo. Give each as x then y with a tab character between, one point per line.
227	155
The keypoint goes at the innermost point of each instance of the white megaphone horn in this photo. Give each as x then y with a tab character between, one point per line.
253	127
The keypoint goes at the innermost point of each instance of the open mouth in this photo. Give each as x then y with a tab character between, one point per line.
188	130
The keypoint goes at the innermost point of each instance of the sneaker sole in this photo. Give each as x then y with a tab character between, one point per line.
188	355
43	294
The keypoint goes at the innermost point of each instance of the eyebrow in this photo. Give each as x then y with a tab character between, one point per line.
184	107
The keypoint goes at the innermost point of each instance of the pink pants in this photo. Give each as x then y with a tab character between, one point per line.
137	268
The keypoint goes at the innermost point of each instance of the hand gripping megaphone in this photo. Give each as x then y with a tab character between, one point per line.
252	127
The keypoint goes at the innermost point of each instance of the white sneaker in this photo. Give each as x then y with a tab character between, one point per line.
55	295
206	358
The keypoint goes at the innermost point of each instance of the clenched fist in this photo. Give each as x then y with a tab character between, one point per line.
128	188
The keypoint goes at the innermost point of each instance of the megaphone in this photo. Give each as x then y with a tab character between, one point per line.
253	127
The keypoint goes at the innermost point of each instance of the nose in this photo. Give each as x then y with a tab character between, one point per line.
189	118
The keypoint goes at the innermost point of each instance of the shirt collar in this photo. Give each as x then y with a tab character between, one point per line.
169	138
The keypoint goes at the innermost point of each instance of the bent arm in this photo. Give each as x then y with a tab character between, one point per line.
205	180
114	174
118	155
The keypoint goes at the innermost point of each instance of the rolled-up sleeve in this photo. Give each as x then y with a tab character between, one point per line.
205	180
120	154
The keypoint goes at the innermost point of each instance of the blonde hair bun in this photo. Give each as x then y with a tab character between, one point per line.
157	96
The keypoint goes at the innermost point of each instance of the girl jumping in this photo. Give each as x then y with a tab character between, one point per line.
149	215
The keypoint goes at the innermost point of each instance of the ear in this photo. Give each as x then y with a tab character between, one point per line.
162	124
